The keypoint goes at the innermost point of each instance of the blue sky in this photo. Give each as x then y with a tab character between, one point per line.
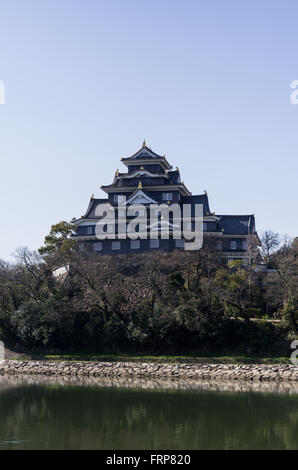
205	82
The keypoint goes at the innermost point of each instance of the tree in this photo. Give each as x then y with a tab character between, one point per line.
237	291
287	268
59	241
270	243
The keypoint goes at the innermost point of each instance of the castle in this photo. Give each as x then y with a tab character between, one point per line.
150	179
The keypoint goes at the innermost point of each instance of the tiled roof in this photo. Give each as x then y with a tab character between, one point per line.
144	152
199	199
93	203
237	224
174	176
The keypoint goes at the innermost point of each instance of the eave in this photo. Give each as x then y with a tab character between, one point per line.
135	173
145	149
147	161
180	187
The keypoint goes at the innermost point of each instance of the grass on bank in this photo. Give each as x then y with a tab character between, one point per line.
225	359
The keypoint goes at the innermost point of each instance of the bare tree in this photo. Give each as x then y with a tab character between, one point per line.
270	244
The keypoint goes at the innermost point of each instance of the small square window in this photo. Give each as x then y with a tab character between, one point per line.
167	196
116	245
219	245
179	243
233	245
244	245
154	243
89	230
97	246
135	244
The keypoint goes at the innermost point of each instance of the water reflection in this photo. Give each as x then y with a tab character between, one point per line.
106	413
152	383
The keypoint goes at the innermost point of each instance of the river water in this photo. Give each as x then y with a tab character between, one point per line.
146	414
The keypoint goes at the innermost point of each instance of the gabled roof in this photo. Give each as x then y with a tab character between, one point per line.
146	154
140	197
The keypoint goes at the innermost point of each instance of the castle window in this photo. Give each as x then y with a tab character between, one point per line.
167	196
233	245
154	243
116	245
219	245
204	226
116	197
135	244
89	230
97	246
179	243
244	245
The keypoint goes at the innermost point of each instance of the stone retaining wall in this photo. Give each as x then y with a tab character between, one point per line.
230	372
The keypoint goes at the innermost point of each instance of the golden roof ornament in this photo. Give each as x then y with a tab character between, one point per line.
207	213
144	144
142	168
100	186
140	185
205	192
92	196
117	172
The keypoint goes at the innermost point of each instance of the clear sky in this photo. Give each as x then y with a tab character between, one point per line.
207	83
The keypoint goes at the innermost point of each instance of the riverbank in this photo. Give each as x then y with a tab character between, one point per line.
227	372
142	358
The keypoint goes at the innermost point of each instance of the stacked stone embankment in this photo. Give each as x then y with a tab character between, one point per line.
226	372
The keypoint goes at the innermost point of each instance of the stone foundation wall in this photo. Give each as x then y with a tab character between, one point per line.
230	372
